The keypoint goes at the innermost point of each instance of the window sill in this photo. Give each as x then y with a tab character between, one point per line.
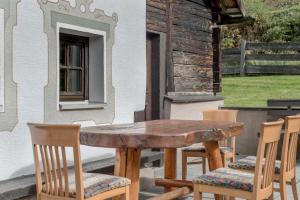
78	106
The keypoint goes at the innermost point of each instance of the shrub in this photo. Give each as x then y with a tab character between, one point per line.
276	21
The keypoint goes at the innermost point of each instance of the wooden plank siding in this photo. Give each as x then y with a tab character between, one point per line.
192	46
187	24
157	15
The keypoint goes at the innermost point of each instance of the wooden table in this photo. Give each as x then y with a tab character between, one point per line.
129	139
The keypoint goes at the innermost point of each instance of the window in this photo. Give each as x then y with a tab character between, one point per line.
99	102
81	67
74	65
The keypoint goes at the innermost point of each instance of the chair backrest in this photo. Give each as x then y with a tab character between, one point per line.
222	115
290	142
266	157
49	146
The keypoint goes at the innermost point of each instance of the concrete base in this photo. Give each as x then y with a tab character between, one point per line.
190	107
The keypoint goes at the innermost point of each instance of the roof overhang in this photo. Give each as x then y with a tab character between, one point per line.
231	11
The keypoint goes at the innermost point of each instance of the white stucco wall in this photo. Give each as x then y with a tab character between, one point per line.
1	60
30	69
193	111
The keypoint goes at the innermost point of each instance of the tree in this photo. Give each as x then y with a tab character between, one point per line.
276	21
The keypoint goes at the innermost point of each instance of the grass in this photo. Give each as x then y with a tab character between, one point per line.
254	91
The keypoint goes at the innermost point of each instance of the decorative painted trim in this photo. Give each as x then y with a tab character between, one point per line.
80	15
9	116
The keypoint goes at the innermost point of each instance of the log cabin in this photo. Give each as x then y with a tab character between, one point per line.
183	55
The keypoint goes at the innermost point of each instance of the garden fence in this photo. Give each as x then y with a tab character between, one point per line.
262	59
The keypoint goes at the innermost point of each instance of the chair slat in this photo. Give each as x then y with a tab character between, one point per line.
53	164
65	166
59	172
45	169
288	167
267	166
271	170
295	135
38	169
292	152
49	171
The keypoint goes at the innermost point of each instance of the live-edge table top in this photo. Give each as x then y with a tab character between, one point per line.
159	133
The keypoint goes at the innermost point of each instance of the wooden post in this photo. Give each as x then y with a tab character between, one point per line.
128	165
243	58
170	164
217	57
214	155
169	48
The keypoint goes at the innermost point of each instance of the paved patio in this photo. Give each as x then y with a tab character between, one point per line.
150	190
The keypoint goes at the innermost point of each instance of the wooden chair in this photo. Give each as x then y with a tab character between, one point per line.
198	150
50	144
236	183
285	170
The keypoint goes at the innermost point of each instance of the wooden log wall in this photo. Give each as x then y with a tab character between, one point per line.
157	15
191	43
187	24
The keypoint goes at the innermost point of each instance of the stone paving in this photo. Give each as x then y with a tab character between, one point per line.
149	190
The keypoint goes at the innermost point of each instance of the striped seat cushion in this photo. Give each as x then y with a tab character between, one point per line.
229	178
201	148
248	163
95	184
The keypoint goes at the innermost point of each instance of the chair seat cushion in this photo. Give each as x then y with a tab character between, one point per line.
249	162
201	148
229	178
95	184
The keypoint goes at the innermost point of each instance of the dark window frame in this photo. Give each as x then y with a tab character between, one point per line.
67	40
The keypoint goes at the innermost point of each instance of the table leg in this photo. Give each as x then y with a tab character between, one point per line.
170	164
214	158
128	165
214	155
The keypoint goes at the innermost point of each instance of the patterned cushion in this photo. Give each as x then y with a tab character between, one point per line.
229	178
95	184
201	148
248	163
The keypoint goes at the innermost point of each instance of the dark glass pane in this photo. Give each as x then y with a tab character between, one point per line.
62	82
74	80
62	54
75	51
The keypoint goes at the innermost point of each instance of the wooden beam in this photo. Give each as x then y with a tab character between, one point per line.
173	183
179	192
170	164
169	49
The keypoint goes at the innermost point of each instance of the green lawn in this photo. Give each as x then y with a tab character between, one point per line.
253	91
